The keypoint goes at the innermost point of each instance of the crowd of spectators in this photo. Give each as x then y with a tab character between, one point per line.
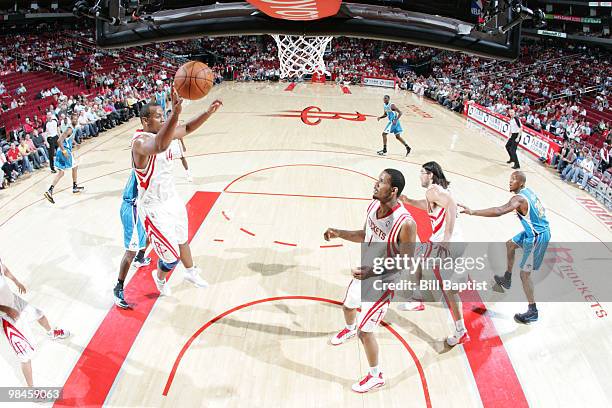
553	89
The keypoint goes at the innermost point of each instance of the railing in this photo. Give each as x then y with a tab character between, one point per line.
60	70
527	69
181	60
558	96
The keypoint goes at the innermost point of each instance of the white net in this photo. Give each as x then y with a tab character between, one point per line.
300	55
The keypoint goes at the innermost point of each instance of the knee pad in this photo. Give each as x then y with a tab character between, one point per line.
166	266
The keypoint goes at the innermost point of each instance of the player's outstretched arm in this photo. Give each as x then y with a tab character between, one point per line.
514	204
353	236
7	272
422	204
195	123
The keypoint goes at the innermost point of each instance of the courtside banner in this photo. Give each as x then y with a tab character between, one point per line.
532	141
378	81
298	10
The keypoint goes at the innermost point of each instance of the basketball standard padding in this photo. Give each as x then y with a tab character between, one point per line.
193	80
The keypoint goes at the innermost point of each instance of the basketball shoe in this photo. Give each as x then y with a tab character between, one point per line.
460	337
49	196
141	262
504	281
530	316
342	336
162	286
412	305
193	275
58	334
368	383
119	297
382	152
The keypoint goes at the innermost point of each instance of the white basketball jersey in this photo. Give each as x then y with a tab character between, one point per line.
438	217
155	181
385	229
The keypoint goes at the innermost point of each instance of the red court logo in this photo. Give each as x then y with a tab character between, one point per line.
313	115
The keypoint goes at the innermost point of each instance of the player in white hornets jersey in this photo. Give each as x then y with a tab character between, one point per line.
389	230
162	211
446	240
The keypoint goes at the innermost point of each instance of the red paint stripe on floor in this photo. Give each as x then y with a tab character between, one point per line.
285	243
218	240
331	246
496	380
290	87
225	215
94	373
247	232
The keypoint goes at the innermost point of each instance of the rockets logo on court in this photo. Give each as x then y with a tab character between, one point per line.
313	115
19	343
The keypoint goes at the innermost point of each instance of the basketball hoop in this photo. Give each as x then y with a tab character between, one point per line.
300	55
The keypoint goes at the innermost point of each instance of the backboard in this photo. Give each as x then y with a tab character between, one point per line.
453	25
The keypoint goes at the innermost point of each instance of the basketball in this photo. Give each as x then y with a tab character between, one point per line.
193	80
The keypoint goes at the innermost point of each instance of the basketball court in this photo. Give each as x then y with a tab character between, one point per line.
267	183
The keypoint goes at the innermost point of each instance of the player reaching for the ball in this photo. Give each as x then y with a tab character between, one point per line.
389	230
161	210
533	240
393	126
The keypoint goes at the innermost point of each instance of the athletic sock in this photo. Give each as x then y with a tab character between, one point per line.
74	184
374	371
532	307
384	148
460	325
351	327
51	189
508	276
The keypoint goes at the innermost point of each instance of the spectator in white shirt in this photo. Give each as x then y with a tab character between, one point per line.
537	125
88	130
585	170
604	153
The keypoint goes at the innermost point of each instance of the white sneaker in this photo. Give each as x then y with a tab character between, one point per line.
162	286
458	338
368	383
57	334
413	305
342	336
195	278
